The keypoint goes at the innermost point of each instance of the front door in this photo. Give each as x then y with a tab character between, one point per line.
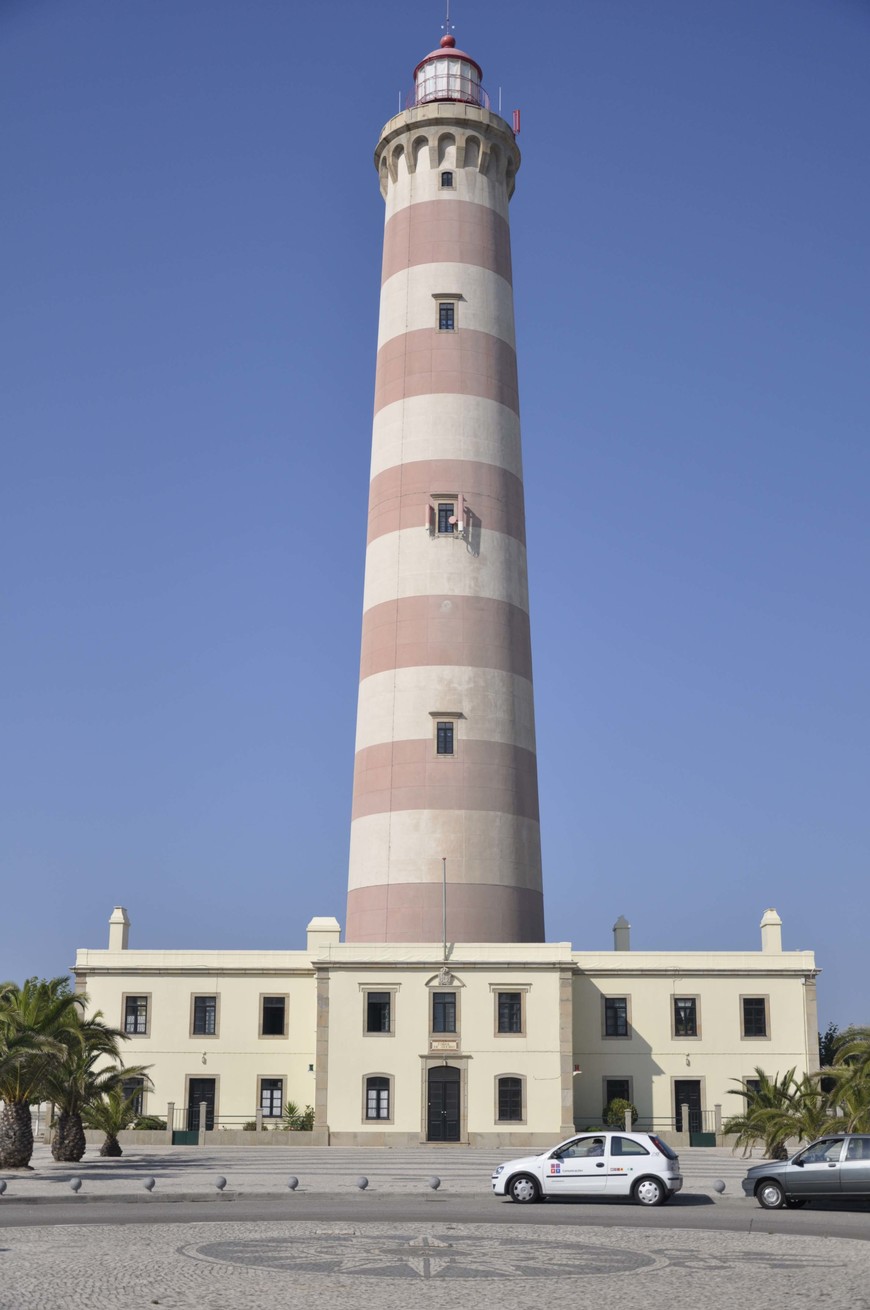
687	1091
199	1090
577	1169
818	1173
443	1104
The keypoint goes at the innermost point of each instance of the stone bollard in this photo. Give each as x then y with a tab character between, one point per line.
203	1120
362	1183
149	1184
76	1185
292	1183
170	1121
434	1182
2	1186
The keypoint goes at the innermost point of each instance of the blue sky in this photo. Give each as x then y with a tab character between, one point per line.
190	255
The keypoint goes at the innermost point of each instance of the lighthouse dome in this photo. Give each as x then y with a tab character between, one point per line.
448	74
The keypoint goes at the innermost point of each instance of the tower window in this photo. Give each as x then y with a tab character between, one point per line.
447	180
446	517
444	737
446	316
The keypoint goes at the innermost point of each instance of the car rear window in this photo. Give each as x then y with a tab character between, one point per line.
668	1152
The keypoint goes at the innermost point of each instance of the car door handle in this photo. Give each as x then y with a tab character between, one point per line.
600	1164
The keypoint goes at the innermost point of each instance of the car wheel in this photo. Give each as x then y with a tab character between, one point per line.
524	1189
770	1195
649	1191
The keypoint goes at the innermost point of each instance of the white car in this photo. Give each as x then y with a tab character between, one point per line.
636	1165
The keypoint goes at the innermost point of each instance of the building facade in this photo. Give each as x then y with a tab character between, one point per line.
503	1043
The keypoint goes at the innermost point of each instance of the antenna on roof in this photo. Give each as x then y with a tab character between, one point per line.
447	25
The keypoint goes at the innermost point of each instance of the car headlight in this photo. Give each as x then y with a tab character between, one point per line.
498	1169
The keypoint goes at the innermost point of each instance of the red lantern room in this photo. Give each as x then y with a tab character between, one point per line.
449	74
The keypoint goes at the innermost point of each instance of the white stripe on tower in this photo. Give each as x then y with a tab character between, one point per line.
445	614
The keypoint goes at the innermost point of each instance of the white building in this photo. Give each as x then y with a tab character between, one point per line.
501	1044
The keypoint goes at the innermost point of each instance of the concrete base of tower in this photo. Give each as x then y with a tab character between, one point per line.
412	912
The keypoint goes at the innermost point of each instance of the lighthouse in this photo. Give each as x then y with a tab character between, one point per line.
445	831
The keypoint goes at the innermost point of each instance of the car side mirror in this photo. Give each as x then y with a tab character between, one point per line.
799	1163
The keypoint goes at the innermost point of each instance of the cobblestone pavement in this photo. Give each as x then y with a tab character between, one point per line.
233	1266
255	1170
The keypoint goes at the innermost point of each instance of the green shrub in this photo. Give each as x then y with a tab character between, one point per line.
297	1120
614	1112
149	1123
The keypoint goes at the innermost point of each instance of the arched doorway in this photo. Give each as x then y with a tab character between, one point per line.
443	1104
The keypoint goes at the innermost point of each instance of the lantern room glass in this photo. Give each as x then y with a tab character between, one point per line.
448	79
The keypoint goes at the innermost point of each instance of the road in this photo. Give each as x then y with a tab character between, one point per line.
187	1246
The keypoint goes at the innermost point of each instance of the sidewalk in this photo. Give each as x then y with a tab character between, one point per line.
187	1170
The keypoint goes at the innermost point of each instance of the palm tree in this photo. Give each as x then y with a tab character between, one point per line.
35	1020
765	1114
113	1112
849	1074
88	1066
806	1114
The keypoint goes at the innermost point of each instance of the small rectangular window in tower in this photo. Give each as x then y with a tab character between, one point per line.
446	517
446	316
445	743
447	181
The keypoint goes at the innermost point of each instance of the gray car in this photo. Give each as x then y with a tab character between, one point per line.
835	1166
